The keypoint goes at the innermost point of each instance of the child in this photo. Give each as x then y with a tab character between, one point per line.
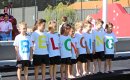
88	36
75	46
65	48
82	57
23	48
41	55
110	40
99	44
54	48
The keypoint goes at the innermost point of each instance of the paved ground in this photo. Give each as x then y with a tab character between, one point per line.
121	72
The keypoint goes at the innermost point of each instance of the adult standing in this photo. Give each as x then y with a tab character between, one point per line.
64	20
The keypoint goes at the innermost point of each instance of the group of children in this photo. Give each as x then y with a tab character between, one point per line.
73	49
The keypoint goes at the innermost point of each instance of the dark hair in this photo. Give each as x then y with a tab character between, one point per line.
6	15
1	15
98	21
64	18
64	26
37	23
108	24
6	6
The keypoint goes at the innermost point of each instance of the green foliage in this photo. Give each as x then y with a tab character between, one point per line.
55	13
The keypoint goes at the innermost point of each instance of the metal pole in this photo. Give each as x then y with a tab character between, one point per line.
81	11
35	11
56	10
104	12
23	11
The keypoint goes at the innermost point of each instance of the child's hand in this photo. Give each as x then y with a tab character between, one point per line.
93	51
30	58
88	51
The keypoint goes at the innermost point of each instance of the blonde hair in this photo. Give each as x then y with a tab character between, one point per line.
78	25
88	18
22	24
50	26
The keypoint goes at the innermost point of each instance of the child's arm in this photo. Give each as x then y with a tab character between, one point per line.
93	44
17	54
87	49
114	48
31	53
77	52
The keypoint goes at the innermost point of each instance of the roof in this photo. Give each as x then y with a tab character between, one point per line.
97	4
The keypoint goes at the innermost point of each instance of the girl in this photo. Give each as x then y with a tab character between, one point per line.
75	46
23	48
54	48
65	48
82	59
88	36
99	44
40	41
110	41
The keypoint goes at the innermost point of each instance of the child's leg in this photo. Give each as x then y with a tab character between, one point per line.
54	70
62	71
84	68
51	71
110	64
105	66
94	65
99	64
70	69
26	73
77	69
43	71
67	71
19	70
36	68
88	66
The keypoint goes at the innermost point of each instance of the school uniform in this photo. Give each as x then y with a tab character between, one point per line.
65	49
89	40
99	43
82	57
110	40
75	46
40	55
54	48
24	44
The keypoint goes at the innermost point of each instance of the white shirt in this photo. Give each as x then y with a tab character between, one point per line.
81	41
5	26
60	28
65	46
40	42
89	40
75	46
99	39
54	44
23	43
110	40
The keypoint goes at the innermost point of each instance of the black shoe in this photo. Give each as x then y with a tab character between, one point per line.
99	73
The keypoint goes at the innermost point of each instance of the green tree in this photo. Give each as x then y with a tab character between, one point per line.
55	13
